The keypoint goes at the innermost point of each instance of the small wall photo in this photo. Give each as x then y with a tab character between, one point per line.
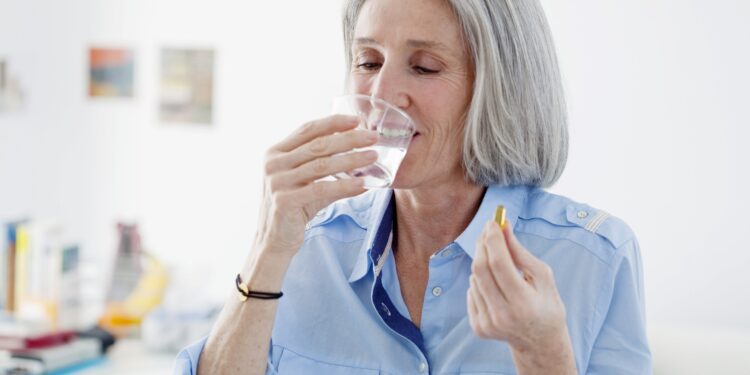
187	79
111	72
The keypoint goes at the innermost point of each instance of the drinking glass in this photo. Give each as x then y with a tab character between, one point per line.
395	129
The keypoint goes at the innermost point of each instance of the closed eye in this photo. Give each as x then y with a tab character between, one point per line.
369	66
375	66
423	70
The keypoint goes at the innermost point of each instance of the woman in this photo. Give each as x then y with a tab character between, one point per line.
417	279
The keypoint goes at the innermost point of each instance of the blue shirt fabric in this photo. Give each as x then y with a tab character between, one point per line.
343	312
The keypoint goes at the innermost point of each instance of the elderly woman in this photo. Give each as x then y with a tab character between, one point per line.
418	278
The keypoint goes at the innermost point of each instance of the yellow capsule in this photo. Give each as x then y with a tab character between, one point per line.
500	216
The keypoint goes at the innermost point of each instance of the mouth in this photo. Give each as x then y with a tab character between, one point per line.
396	137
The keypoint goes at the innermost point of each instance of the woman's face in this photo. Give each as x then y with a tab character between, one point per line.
411	54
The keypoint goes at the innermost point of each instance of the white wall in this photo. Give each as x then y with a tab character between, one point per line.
656	92
193	189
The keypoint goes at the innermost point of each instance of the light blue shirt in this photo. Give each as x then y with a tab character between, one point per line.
343	312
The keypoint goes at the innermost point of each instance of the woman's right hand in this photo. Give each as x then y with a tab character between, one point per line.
291	194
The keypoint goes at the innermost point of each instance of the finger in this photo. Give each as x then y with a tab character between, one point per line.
471	304
324	146
320	194
315	129
325	166
480	318
504	270
483	271
494	295
473	310
480	264
482	311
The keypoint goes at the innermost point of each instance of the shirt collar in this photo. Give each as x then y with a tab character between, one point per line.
512	197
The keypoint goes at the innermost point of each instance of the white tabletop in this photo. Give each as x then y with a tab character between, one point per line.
130	356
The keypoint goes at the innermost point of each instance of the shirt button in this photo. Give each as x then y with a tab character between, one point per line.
582	214
436	291
447	253
422	367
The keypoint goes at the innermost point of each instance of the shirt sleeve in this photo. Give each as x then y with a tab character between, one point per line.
187	360
621	347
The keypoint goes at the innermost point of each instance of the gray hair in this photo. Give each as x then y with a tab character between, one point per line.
516	124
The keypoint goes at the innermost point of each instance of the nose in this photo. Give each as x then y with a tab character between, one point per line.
389	85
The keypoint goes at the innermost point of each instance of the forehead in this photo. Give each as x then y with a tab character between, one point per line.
415	23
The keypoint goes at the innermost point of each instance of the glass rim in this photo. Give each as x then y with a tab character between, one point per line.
379	101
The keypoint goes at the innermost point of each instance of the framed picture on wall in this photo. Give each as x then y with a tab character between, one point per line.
111	72
11	94
2	74
187	80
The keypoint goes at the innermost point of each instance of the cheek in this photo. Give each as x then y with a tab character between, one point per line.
444	100
359	85
441	147
443	116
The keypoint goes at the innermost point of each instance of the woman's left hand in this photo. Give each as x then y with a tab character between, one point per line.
513	298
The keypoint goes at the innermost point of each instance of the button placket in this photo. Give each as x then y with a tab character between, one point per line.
438	277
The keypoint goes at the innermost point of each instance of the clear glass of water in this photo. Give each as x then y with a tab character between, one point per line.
393	125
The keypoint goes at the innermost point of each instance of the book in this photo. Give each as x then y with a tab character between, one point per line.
10	265
38	270
72	353
10	365
3	271
17	343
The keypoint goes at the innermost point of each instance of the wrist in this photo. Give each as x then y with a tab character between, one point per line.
552	355
265	270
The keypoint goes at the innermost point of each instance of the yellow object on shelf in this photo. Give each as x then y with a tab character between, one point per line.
122	316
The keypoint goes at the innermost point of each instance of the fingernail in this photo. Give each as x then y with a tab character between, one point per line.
372	135
371	155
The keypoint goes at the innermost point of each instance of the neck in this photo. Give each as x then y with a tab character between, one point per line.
430	218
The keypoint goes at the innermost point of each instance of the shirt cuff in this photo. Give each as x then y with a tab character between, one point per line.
187	360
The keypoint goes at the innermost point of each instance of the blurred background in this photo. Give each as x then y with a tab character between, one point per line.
132	135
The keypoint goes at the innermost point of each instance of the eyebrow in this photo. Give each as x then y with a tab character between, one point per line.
427	44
